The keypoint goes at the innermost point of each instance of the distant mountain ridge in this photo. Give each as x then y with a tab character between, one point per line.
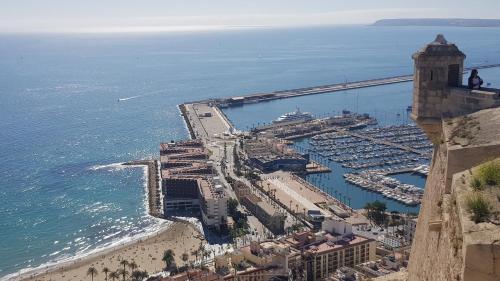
439	22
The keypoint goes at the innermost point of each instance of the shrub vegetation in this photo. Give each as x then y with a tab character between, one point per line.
489	173
478	207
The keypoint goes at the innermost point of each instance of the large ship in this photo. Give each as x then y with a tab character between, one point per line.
297	115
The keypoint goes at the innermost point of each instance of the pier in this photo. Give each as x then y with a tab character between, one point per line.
282	94
388	143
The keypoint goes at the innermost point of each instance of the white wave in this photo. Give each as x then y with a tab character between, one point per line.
111	235
113	166
150	231
157	225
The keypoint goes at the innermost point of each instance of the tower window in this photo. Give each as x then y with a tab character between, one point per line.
432	75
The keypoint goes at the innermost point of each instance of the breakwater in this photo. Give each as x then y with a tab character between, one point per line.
182	109
154	187
314	90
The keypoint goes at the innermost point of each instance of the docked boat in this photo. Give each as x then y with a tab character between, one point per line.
297	115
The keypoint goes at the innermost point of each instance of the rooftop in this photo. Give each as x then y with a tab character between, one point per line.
210	189
438	47
328	246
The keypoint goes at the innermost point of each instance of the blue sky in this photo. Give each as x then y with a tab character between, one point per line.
144	15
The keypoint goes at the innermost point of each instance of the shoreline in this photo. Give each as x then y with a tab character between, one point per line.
113	254
55	265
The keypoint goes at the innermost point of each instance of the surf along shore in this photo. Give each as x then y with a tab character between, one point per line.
147	252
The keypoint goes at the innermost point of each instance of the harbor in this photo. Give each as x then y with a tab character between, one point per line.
350	144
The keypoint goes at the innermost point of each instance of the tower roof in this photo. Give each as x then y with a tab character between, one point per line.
439	47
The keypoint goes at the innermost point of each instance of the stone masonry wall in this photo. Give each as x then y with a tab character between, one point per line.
435	253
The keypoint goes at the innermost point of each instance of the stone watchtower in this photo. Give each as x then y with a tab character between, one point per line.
438	67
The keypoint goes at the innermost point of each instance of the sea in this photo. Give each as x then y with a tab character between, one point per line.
63	132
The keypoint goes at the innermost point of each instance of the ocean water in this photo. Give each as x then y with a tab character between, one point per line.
63	131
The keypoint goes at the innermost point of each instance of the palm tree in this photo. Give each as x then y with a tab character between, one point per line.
185	258
106	271
368	207
124	263
124	273
195	253
168	258
114	275
133	266
92	271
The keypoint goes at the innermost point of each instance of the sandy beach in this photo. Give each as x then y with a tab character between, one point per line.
147	253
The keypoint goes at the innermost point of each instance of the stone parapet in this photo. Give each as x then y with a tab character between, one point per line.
470	140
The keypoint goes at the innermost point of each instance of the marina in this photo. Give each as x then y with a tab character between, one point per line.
374	153
391	188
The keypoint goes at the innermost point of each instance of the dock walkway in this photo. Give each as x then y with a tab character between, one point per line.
388	143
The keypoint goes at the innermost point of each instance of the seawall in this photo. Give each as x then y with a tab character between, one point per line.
182	108
154	188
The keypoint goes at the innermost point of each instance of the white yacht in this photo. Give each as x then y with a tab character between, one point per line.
297	115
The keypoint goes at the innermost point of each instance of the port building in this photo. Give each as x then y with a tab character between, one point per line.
270	155
271	217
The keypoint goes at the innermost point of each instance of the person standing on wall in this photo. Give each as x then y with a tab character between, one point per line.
475	81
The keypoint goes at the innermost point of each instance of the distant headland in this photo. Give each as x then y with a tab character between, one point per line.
439	22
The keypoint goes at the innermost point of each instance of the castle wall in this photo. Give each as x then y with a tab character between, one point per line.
447	244
433	256
464	126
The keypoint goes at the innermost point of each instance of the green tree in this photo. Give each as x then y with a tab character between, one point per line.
92	272
376	211
168	258
232	205
138	275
